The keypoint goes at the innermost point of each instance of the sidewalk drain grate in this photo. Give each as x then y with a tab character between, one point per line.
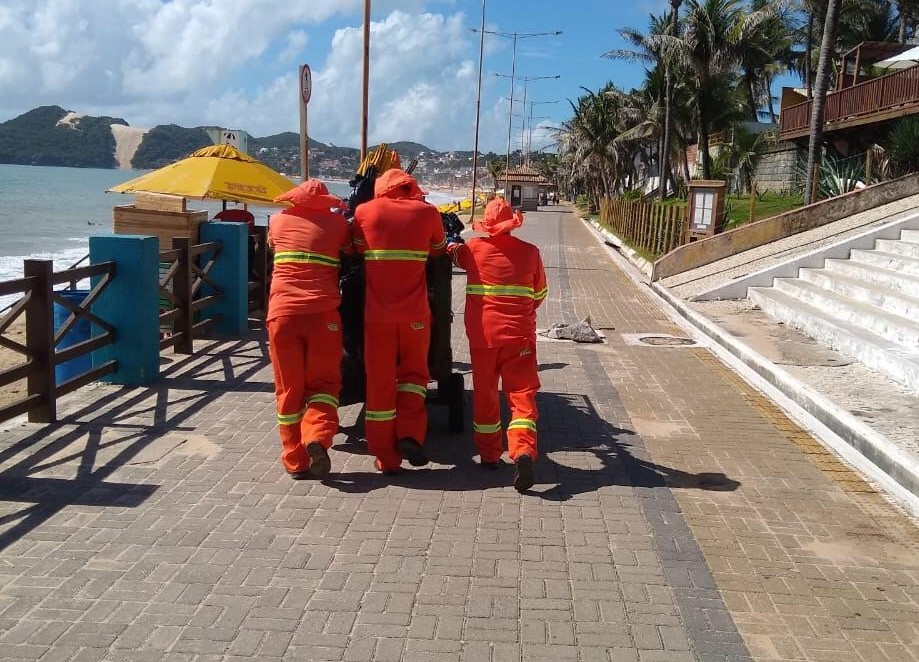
657	340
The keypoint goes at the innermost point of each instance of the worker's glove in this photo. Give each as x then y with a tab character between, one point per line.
454	239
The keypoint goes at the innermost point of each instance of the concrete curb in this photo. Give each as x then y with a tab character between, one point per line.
618	244
880	458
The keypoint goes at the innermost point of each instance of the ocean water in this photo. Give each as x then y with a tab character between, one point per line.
50	213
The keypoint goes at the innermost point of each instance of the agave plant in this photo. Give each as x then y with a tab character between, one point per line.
903	145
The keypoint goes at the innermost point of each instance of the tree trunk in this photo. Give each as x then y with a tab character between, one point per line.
823	73
901	36
808	47
703	131
668	103
750	84
772	115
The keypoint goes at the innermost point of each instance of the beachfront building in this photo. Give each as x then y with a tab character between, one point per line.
524	186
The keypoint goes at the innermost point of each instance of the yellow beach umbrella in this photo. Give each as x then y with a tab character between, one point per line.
221	172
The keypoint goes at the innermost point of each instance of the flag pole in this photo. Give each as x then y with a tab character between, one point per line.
478	107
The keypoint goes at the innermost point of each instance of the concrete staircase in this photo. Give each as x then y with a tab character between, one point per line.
866	307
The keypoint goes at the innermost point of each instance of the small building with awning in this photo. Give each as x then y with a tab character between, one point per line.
523	186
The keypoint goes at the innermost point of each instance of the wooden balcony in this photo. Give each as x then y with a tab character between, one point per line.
877	100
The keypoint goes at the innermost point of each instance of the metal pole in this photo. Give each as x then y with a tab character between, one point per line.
366	80
510	114
478	106
524	128
304	140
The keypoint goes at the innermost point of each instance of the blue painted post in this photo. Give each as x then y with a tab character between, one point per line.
231	274
130	303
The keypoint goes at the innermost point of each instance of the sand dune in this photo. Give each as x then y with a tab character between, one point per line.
127	140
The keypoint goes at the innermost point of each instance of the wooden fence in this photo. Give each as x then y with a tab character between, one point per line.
181	289
186	289
651	227
40	353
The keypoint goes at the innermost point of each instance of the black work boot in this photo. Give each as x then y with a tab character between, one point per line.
320	464
524	478
412	451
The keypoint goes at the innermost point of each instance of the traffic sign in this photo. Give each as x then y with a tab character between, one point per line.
306	83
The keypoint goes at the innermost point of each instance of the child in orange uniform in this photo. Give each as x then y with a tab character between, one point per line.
505	285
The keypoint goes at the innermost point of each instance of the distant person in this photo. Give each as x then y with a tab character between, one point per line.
304	327
506	283
236	215
396	232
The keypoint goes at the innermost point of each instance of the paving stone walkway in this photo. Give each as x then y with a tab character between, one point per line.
678	515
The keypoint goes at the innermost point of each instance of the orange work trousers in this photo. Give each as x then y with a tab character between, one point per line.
396	361
516	366
306	353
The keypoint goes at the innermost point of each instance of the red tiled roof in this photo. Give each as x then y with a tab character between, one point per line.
526	174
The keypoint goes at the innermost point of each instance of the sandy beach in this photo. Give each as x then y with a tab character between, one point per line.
9	359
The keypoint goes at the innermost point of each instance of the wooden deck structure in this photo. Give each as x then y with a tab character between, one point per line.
856	102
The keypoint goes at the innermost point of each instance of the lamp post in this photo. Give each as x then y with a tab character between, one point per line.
530	127
525	79
478	107
514	36
366	79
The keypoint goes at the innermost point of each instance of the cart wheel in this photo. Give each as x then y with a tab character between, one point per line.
456	401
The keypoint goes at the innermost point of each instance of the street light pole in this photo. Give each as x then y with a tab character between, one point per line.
478	107
530	125
366	79
525	79
514	36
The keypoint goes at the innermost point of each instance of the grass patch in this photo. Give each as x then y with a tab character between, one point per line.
767	205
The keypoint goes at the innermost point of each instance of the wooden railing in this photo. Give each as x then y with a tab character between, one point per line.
651	227
40	353
865	99
182	293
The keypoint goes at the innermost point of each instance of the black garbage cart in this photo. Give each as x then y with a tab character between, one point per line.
450	389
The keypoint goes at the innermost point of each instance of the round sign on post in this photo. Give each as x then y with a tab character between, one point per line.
306	83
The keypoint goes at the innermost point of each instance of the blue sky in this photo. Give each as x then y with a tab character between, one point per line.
234	63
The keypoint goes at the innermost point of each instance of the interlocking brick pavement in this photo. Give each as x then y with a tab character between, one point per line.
678	515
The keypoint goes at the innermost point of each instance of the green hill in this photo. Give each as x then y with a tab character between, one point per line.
166	143
36	138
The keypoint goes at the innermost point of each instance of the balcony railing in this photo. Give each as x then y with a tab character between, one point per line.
888	93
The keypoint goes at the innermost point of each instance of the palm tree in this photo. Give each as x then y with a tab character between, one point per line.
823	69
496	171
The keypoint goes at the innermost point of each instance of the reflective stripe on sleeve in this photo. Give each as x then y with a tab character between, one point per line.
541	294
438	246
522	423
304	257
391	255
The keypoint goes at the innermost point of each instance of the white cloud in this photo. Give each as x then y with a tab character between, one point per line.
183	61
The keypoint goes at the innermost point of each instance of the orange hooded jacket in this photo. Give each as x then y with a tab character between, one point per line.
505	280
307	239
396	232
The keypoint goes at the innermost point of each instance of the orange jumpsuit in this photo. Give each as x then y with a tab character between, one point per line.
304	328
396	232
506	283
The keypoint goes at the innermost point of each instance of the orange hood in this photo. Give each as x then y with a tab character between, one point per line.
499	218
395	183
311	194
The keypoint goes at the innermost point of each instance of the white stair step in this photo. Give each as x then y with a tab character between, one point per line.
901	330
894	280
890	300
864	346
884	260
910	235
897	247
